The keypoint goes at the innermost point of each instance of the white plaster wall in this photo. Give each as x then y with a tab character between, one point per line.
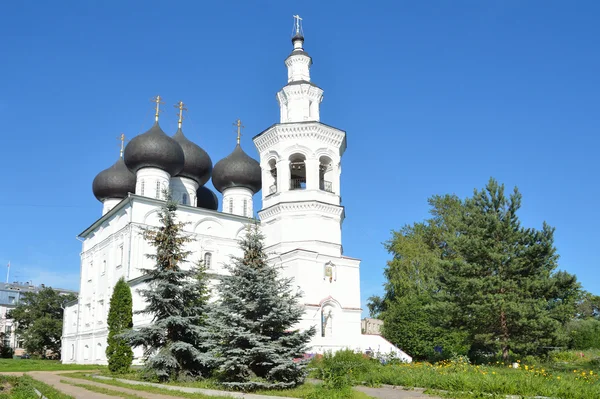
238	201
151	182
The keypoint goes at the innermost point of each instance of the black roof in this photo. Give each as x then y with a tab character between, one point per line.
114	182
154	149
197	163
237	170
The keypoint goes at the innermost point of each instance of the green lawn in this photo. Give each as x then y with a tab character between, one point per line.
567	376
24	388
7	365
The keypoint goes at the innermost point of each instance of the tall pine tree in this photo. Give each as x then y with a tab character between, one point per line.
255	346
174	342
502	289
120	319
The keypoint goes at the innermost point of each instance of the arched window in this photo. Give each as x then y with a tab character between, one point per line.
207	260
245	207
297	172
325	174
184	199
72	351
86	352
99	351
327	321
142	187
272	182
157	195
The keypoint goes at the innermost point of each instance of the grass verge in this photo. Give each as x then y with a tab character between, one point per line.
7	365
24	388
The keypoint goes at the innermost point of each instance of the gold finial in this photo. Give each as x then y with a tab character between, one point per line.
122	138
181	106
158	101
239	125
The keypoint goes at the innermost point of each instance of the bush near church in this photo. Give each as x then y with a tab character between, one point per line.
120	319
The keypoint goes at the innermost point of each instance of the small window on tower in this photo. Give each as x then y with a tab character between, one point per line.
184	199
121	253
207	260
230	205
142	188
157	195
245	207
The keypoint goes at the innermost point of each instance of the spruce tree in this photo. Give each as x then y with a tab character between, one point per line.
254	344
120	319
174	342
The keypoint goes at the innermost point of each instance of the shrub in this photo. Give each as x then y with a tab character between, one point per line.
584	334
343	368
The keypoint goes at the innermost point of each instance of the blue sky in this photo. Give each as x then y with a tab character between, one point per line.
436	97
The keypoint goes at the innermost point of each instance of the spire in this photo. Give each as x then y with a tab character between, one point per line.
181	106
239	125
298	38
158	101
122	138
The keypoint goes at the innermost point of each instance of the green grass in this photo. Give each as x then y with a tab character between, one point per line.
308	391
7	365
459	377
23	388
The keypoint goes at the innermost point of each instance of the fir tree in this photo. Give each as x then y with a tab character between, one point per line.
120	314
255	346
175	342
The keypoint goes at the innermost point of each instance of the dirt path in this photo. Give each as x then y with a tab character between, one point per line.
394	393
53	378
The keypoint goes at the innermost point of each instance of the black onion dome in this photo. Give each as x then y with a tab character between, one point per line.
297	36
237	170
114	182
154	149
198	165
207	199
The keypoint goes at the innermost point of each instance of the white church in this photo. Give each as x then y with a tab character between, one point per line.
301	217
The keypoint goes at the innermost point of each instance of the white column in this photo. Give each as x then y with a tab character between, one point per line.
312	174
283	175
151	182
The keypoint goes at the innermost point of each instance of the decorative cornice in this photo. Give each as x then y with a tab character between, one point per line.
302	206
299	131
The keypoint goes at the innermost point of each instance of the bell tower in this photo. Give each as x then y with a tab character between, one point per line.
300	159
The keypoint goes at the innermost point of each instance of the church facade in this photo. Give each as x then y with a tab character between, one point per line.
298	175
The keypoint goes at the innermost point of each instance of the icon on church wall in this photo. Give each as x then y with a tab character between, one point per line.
330	272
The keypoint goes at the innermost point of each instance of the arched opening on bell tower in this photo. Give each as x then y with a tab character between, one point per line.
326	174
272	177
297	172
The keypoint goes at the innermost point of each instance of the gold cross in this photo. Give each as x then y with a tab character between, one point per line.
158	101
181	106
238	123
122	138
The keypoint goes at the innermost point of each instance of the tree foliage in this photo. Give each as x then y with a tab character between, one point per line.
39	320
252	321
120	319
174	342
473	273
